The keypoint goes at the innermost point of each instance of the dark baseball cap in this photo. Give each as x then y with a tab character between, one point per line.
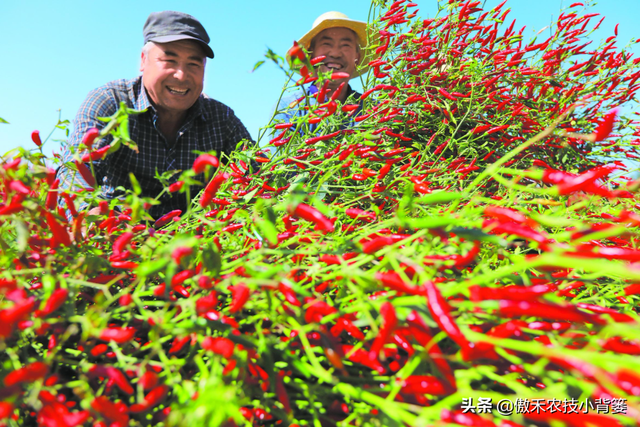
169	26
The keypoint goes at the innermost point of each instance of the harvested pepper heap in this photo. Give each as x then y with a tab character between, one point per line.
466	254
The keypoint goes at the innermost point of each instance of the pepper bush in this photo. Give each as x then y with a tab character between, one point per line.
471	236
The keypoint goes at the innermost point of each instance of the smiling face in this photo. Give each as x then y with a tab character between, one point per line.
173	75
340	46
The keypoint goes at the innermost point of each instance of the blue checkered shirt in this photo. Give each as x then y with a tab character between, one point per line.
210	125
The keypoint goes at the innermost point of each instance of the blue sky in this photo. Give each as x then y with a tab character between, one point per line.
54	53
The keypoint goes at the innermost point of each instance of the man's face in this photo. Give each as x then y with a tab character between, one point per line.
340	46
173	74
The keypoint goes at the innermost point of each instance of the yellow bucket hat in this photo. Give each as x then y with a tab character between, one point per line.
338	19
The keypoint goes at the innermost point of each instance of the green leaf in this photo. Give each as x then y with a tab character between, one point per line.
249	195
135	184
3	120
22	236
438	198
434	222
151	267
257	65
211	259
274	57
267	229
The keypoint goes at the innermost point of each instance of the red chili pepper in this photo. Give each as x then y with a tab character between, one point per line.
384	170
26	374
60	233
339	75
374	245
55	301
585	181
349	108
125	300
176	186
281	392
615	315
616	344
296	52
222	346
390	322
70	205
316	310
343	324
497	129
204	160
505	214
631	255
52	196
151	400
19	187
311	214
543	310
89	137
361	356
360	214
122	241
336	93
606	127
322	92
35	137
178	344
180	253
212	188
167	218
632	289
513	293
318	59
231	228
116	413
425	384
117	334
289	294
206	303
148	380
494	227
392	280
439	310
181	277
86	173
99	154
239	296
322	137
446	94
125	265
119	379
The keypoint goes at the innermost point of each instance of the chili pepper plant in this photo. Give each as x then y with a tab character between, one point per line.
470	235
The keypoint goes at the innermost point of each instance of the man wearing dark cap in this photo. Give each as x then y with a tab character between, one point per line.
178	122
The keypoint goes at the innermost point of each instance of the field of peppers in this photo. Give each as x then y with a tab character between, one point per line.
471	238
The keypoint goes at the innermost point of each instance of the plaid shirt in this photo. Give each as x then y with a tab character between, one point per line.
209	125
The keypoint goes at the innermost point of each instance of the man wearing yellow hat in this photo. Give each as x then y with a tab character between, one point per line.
340	40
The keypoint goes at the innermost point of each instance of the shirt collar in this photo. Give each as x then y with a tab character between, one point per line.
143	102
